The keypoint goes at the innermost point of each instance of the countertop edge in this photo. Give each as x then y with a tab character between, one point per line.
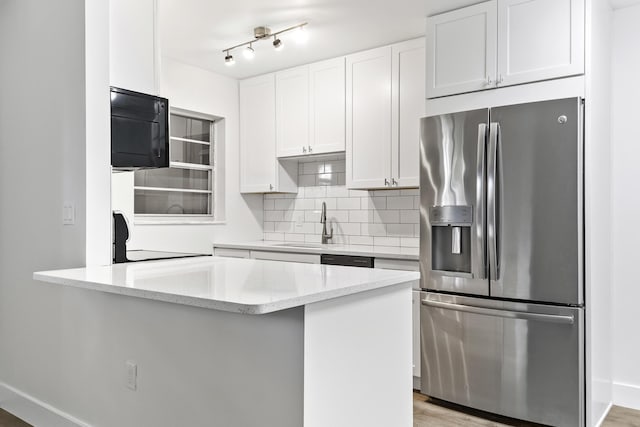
231	307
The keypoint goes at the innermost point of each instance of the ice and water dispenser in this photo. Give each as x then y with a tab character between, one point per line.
451	238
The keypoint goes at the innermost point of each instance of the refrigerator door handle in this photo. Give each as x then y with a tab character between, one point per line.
492	200
524	315
480	267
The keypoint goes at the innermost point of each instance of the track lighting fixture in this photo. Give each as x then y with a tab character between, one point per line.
248	52
264	33
228	59
277	43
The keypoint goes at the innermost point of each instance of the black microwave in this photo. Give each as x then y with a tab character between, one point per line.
139	130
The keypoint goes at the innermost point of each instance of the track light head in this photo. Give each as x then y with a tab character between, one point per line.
277	43
248	52
301	35
228	60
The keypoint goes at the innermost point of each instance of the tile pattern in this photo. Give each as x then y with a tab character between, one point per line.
381	218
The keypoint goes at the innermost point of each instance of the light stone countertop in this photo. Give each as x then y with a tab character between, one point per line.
402	253
236	285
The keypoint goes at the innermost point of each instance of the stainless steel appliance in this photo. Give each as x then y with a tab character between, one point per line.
501	257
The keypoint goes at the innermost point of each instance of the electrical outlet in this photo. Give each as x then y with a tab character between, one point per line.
132	375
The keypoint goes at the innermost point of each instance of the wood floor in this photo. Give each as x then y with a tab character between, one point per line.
429	414
8	420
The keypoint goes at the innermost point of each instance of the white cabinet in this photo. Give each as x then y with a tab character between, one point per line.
408	108
231	252
286	256
369	118
327	106
133	48
401	264
385	99
504	42
310	109
292	111
260	171
461	50
539	40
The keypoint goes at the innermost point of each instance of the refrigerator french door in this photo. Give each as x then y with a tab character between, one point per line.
501	257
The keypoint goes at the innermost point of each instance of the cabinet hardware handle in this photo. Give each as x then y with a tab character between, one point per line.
500	80
386	182
304	149
310	149
271	187
489	81
394	182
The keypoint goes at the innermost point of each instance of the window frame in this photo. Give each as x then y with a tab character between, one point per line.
215	168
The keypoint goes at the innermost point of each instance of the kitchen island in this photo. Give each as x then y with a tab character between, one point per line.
241	342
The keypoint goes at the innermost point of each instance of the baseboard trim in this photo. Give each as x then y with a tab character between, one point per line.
627	395
604	415
35	411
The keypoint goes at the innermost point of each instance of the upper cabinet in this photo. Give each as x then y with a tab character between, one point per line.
310	112
369	119
461	50
504	42
385	100
539	40
260	171
327	106
133	48
292	112
408	60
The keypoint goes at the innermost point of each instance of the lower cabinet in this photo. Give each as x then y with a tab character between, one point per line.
267	255
286	256
386	263
403	264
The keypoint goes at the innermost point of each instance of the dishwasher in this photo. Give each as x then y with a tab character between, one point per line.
347	260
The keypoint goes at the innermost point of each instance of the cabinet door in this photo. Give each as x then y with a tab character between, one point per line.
369	118
415	311
132	45
408	109
292	111
539	39
258	134
461	50
327	118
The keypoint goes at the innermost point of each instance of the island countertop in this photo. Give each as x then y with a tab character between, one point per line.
235	285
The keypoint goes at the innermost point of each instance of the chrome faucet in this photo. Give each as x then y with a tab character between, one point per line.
323	220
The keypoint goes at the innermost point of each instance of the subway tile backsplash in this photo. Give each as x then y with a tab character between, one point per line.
380	218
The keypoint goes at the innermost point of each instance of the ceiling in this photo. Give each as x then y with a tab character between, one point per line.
617	4
196	31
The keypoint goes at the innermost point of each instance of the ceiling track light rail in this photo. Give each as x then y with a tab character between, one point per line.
260	33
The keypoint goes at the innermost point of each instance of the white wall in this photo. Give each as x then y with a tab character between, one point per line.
195	89
42	165
98	132
598	213
626	206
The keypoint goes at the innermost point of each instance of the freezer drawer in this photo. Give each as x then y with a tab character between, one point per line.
524	361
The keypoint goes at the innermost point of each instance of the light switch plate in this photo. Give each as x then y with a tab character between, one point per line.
68	213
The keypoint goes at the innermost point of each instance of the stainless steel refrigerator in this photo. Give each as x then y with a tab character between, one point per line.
501	257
